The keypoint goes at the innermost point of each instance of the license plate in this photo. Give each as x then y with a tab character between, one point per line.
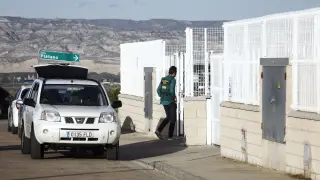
80	134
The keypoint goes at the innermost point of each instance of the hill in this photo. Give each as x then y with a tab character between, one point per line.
96	40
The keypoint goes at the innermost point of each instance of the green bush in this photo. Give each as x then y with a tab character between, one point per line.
113	92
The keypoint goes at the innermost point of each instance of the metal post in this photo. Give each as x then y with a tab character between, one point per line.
206	65
182	82
245	88
177	60
191	64
226	68
295	64
38	62
315	56
188	81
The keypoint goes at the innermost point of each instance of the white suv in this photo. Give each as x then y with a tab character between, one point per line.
64	109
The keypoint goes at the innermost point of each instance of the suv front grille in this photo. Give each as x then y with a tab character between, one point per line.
79	120
90	121
69	120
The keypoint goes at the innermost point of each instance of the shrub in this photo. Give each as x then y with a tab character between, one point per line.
113	92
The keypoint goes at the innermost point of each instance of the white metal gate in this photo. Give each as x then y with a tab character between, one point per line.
204	55
216	94
180	92
178	60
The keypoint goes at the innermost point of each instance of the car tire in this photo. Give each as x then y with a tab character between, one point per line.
19	131
37	150
14	130
25	143
9	127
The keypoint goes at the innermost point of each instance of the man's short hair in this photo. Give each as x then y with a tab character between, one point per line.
172	70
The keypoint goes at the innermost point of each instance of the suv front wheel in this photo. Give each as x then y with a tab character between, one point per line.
37	150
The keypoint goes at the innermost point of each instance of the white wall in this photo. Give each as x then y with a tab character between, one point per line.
133	58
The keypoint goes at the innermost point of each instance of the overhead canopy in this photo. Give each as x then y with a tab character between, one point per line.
61	71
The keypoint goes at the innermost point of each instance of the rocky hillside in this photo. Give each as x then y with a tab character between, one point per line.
21	38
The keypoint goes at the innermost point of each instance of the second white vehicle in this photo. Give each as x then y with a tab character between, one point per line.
64	109
13	111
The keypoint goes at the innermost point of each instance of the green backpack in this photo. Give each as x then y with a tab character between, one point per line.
165	85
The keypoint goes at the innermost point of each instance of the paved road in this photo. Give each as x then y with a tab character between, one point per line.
15	166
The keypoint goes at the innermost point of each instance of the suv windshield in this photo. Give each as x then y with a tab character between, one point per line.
73	95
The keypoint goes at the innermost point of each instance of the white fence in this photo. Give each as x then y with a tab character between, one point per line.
241	62
294	35
133	58
199	43
305	61
172	51
196	64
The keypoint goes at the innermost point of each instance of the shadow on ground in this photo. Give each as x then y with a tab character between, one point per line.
79	174
148	149
133	151
10	148
136	151
128	152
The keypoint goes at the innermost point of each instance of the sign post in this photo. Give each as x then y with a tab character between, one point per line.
58	56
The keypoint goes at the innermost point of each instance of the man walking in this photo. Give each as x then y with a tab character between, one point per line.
166	92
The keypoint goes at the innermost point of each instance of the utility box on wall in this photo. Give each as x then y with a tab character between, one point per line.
148	92
273	77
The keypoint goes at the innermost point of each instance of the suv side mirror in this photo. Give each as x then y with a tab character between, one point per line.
19	102
29	102
116	104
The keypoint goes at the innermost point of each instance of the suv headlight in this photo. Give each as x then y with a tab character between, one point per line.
107	117
51	116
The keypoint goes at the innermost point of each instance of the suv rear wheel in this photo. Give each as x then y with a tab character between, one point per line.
37	149
25	142
14	130
9	123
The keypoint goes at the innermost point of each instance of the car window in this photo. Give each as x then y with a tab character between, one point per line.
73	95
30	92
24	92
34	92
17	94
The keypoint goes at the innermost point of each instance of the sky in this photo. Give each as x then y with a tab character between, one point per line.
149	9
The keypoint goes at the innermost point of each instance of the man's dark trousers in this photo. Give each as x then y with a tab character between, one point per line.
171	113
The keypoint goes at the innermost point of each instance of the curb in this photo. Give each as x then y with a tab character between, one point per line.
170	170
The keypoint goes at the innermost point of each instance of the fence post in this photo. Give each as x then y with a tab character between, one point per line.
206	64
191	64
263	54
225	65
294	63
315	57
245	95
187	63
